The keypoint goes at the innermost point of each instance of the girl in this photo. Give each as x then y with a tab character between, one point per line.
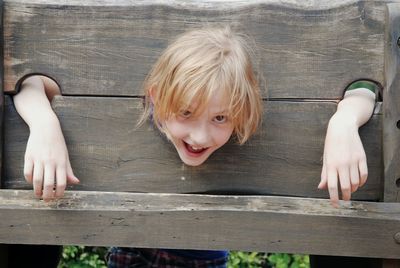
202	90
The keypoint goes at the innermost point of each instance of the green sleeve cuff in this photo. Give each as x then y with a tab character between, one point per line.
364	84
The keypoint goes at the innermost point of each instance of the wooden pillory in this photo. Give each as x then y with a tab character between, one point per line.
262	196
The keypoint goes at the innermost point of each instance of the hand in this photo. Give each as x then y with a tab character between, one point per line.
47	164
344	159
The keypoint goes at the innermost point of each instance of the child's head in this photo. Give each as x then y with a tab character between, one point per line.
202	90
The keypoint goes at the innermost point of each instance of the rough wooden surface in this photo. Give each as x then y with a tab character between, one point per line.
391	109
271	224
109	154
306	49
1	94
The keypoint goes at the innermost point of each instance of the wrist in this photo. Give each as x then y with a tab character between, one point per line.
44	121
344	120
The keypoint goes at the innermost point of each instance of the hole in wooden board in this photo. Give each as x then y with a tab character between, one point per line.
52	88
398	183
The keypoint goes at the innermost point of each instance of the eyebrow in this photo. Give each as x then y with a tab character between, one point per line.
225	111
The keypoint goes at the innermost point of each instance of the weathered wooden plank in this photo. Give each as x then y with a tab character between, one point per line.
391	113
109	154
391	109
1	95
271	224
306	49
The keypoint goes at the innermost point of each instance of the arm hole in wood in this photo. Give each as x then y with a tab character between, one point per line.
52	87
379	93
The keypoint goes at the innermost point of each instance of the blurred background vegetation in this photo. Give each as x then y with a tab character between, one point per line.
93	257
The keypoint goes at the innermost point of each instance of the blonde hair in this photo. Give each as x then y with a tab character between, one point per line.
195	66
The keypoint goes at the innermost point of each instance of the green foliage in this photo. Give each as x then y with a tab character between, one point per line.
82	257
239	259
283	260
93	257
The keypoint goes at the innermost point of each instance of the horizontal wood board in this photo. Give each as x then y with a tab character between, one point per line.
272	224
107	48
109	154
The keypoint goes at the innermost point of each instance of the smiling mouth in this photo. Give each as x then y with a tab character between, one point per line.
193	149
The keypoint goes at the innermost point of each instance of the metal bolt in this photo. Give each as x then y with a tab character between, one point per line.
397	237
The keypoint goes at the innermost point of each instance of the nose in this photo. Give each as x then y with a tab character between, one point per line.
200	135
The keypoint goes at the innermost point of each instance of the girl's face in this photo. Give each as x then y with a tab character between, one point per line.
197	137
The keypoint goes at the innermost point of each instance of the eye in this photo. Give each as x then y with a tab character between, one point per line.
220	119
185	113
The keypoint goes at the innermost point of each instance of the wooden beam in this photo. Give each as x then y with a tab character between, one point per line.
1	95
109	153
107	47
391	108
256	223
391	114
1	92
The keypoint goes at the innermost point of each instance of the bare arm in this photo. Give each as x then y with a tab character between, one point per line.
344	160
47	164
32	103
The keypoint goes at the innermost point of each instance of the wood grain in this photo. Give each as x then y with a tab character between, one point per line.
109	154
305	49
391	109
272	224
1	96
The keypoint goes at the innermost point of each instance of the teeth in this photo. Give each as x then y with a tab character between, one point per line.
196	148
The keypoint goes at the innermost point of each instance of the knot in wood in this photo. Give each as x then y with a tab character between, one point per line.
397	237
398	42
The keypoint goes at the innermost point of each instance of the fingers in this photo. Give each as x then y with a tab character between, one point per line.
344	178
60	182
354	178
333	186
363	168
49	183
350	179
38	179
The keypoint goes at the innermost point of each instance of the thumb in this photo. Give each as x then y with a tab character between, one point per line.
71	178
323	182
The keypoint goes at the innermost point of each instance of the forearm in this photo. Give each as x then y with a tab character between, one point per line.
33	105
356	108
